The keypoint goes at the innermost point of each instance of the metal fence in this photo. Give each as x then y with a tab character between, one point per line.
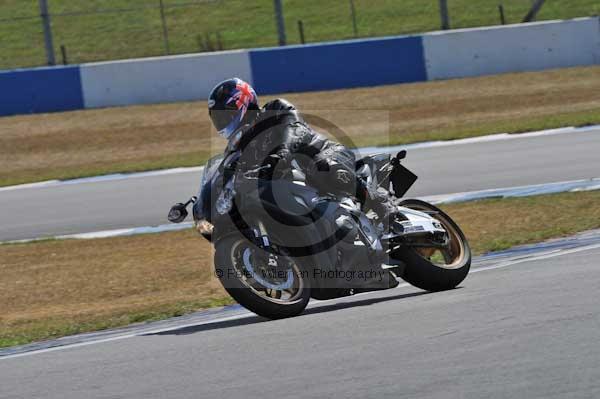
34	33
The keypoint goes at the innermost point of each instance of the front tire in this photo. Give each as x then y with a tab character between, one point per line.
252	287
422	268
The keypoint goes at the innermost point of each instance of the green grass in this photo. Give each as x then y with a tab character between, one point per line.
241	24
59	327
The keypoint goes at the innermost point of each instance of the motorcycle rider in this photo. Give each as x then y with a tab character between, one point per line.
276	135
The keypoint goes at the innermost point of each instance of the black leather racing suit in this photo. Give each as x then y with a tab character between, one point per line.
278	135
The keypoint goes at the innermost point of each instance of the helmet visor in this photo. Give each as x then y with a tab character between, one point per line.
222	117
226	121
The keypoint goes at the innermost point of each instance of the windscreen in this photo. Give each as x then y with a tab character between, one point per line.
210	169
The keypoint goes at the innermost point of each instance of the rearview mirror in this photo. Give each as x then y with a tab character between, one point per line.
178	213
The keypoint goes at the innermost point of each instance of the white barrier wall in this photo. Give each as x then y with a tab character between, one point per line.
160	79
512	48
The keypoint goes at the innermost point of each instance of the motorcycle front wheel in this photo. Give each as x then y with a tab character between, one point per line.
435	268
271	286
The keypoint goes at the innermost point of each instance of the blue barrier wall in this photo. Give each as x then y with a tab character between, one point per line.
338	65
24	91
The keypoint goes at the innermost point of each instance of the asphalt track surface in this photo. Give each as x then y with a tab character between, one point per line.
79	208
522	327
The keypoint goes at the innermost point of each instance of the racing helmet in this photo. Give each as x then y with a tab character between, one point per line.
229	103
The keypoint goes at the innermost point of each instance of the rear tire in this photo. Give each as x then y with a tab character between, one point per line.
421	271
250	298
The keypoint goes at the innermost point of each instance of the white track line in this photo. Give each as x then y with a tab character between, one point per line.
501	265
120	337
552	254
104	178
480	139
364	150
520	191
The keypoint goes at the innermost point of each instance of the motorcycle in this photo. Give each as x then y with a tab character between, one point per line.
279	242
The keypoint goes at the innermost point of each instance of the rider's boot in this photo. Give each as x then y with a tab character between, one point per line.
380	202
387	212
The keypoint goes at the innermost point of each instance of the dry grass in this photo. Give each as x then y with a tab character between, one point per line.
449	107
55	288
498	224
91	142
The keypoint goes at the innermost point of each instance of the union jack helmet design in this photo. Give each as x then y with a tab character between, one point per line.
228	105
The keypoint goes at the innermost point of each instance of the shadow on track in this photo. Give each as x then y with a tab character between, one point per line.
257	319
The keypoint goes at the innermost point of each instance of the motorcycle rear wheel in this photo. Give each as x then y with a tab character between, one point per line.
260	291
433	269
